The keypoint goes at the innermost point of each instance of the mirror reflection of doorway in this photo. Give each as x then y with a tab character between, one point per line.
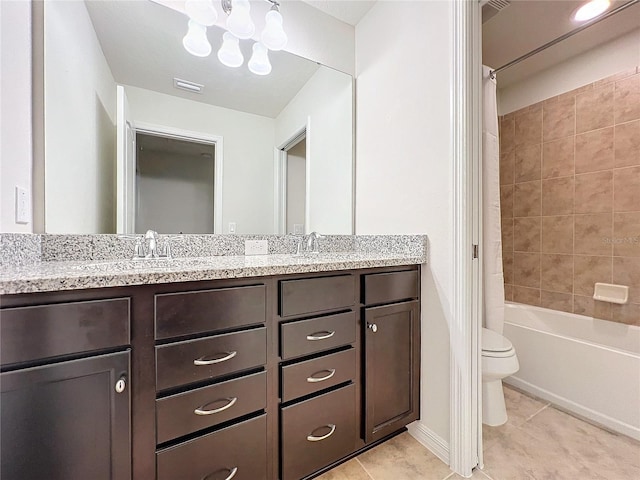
174	184
296	187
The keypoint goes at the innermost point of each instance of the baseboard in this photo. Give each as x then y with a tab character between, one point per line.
427	437
576	409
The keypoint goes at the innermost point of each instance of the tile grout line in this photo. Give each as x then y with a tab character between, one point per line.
365	469
536	413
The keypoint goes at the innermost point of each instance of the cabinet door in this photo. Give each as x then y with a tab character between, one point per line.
66	421
392	368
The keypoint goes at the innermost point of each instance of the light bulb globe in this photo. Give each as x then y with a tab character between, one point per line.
259	61
229	53
273	36
195	41
201	11
239	22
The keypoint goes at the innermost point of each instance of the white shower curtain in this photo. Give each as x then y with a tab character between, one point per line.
491	228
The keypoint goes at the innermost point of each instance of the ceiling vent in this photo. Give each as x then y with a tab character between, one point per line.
187	86
492	7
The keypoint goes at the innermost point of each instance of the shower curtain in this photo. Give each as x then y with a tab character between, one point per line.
491	228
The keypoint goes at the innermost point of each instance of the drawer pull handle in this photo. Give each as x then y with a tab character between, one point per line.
320	335
200	411
313	438
202	361
232	473
313	379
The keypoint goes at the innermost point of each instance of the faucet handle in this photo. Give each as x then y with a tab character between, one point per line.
139	250
167	249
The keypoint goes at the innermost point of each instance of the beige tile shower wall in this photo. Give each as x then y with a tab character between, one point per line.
570	198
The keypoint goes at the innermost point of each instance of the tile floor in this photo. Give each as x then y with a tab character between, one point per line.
538	442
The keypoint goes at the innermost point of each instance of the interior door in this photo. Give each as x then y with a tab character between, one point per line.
125	159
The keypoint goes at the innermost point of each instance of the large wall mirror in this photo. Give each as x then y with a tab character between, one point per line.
131	143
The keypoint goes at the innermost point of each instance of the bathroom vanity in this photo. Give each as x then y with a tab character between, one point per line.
258	377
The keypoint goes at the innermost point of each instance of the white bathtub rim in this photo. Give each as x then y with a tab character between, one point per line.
597	418
631	330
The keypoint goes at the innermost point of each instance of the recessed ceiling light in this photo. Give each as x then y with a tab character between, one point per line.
590	10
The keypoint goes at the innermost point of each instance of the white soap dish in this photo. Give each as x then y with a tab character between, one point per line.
607	292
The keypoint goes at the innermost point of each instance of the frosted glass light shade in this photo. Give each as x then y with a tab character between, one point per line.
230	54
195	41
259	62
591	10
201	11
239	21
273	36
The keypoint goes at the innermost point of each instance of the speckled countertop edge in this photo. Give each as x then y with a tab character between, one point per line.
76	275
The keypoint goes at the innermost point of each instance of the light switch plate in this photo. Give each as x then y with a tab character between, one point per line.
232	227
256	247
298	228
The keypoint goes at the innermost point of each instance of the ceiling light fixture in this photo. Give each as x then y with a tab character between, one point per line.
240	26
590	10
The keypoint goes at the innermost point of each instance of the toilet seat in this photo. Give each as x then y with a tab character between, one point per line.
495	345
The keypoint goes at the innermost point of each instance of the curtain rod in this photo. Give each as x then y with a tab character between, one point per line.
492	73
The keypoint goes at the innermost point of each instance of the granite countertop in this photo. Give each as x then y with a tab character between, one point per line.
74	275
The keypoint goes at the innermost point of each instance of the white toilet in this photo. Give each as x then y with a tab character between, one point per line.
499	360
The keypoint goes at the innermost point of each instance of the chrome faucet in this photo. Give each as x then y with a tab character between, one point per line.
152	237
312	242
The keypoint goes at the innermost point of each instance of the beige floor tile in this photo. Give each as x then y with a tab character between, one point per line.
403	458
351	470
614	457
519	456
520	407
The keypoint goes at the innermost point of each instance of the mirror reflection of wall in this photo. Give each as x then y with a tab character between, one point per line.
87	57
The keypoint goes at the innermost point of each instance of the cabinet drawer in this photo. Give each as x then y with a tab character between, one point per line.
390	287
31	333
317	334
241	448
309	295
195	360
187	313
317	432
314	375
197	409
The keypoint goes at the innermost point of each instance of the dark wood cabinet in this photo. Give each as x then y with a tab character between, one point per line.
66	421
268	378
392	368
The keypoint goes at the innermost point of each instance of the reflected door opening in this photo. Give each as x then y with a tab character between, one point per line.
175	181
296	165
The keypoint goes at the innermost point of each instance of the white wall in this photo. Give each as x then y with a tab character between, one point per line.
330	147
403	164
615	56
80	104
15	116
248	158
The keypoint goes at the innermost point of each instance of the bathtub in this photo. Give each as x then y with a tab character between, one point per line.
585	366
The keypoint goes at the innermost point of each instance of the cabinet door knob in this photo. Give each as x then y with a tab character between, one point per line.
313	438
121	384
373	327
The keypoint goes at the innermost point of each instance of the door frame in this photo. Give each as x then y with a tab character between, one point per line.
280	178
465	445
218	159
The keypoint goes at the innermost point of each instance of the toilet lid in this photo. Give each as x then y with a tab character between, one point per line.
494	342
